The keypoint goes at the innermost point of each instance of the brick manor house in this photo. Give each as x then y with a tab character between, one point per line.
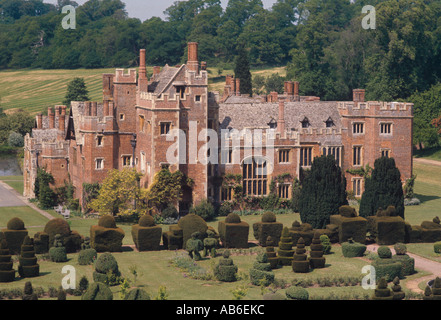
129	128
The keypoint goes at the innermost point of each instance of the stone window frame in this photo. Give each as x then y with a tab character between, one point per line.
357	186
100	140
308	157
387	151
382	128
336	151
124	157
122	117
358	125
142	122
283	190
284	156
198	98
358	156
101	162
254	184
164	123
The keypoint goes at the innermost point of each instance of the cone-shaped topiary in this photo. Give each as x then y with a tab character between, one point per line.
58	251
28	266
14	234
285	250
427	293
7	273
97	291
28	292
271	253
137	294
316	259
226	271
260	273
105	266
300	263
382	292
398	294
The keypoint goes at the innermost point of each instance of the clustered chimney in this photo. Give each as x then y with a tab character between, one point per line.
51	115
61	117
156	70
358	95
39	120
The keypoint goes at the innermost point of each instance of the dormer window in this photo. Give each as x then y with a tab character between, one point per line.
272	124
329	123
305	123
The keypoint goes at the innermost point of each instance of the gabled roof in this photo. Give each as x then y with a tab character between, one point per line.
164	79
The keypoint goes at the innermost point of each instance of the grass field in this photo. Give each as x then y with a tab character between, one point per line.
35	90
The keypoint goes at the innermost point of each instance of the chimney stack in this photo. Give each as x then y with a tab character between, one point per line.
156	70
281	119
105	108
94	109
61	118
51	115
87	108
203	65
107	86
39	119
192	61
358	95
274	96
142	80
237	81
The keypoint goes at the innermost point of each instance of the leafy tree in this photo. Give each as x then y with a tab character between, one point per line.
15	139
323	192
42	189
384	188
76	91
118	192
242	72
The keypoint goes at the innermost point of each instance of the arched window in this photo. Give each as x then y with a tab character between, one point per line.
255	176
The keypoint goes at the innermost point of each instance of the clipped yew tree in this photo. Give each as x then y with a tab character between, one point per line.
15	233
28	266
226	270
268	226
106	236
71	239
146	234
97	291
300	262
316	258
382	292
384	188
233	232
323	192
285	250
261	273
271	252
7	273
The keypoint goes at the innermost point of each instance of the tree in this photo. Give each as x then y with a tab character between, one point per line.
323	192
43	191
118	192
76	91
242	72
384	188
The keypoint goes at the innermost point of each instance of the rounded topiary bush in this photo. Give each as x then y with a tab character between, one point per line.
71	239
137	294
400	248
15	224
269	217
384	252
437	247
233	218
107	221
226	270
97	291
87	256
297	293
146	221
347	211
105	265
353	249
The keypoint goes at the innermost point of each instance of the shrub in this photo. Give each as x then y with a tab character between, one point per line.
28	292
285	251
83	285
347	211
400	248
382	292
106	236
58	252
28	266
204	209
437	247
226	208
107	221
352	249
106	266
15	139
71	239
137	294
326	243
384	252
87	256
7	273
192	223
260	273
170	212
97	291
268	216
297	293
15	224
226	271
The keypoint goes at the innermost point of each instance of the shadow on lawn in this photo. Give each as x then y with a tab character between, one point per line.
426	198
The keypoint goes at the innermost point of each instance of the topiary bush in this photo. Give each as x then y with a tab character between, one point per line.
146	234
15	233
28	266
87	256
97	291
58	252
190	224
316	259
353	249
71	239
225	270
384	252
400	248
7	273
105	266
285	251
106	236
268	226
137	294
326	243
407	262
300	262
193	246
297	293
437	247
397	293
233	232
261	273
382	292
28	292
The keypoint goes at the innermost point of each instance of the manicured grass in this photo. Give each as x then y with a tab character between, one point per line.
430	153
33	220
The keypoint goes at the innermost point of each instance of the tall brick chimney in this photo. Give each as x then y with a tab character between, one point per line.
94	109
142	80
108	86
281	119
51	115
296	88
274	96
39	120
237	87
358	95
192	61
61	117
290	87
87	108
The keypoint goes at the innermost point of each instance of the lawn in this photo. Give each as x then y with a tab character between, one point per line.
429	153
